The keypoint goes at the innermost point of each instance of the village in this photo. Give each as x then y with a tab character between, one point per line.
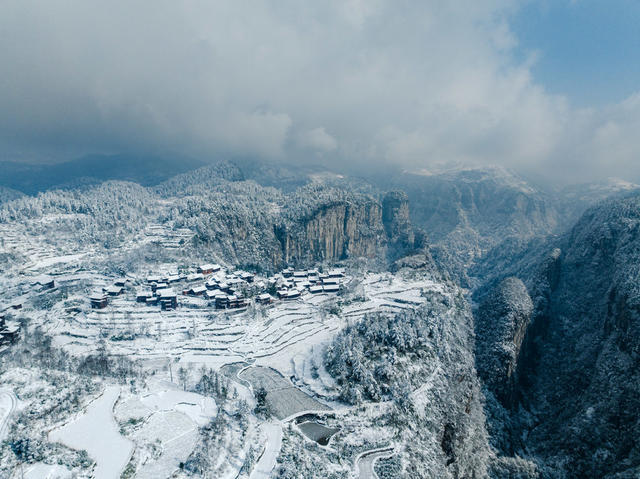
261	332
221	288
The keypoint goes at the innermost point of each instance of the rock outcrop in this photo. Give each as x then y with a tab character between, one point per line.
501	323
578	370
333	232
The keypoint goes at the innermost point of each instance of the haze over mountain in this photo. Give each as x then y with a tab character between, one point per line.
358	83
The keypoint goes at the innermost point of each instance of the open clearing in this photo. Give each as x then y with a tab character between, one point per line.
97	433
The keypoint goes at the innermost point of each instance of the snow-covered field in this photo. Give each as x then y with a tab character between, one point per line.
97	432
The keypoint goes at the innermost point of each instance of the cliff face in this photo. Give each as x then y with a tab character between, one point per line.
501	323
333	232
356	226
578	371
470	212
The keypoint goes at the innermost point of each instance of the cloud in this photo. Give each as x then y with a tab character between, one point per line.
318	139
407	82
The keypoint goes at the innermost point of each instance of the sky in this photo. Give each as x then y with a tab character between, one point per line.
550	88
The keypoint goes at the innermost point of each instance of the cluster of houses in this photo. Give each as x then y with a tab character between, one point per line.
225	290
294	283
100	299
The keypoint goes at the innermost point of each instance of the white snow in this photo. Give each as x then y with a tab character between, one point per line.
97	433
267	461
40	470
198	408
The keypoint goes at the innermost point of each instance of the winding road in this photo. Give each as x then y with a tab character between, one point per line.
366	461
8	403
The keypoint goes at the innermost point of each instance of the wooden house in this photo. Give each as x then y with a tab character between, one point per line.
331	288
168	299
143	295
248	277
114	290
98	300
197	290
264	298
208	268
222	301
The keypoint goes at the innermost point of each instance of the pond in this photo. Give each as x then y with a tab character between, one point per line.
318	432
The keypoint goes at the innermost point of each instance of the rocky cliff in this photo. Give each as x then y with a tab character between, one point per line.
578	369
470	212
501	323
344	225
333	231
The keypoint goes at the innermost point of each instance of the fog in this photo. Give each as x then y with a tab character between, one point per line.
412	84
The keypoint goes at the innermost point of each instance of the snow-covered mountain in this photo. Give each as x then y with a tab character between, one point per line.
290	322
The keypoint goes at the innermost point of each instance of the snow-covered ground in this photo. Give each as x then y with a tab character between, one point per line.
170	420
45	471
158	427
273	433
97	432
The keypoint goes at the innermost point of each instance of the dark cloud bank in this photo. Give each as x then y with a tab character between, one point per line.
403	83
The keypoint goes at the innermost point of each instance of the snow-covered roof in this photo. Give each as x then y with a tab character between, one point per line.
209	266
167	293
42	279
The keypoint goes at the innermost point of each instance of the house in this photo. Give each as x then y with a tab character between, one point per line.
293	294
197	290
248	277
45	281
98	300
208	268
120	282
282	293
212	284
114	290
154	279
174	278
195	277
287	273
168	299
300	275
211	294
264	298
9	333
222	301
158	286
331	288
336	273
143	295
236	302
315	289
331	281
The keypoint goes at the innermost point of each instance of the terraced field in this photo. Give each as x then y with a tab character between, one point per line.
280	335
